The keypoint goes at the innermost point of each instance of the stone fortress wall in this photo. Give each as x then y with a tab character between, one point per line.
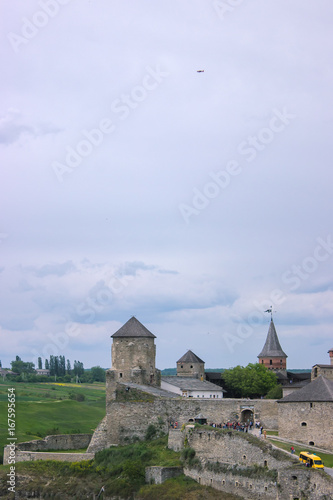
129	420
262	471
307	422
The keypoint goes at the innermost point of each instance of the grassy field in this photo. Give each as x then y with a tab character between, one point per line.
327	458
43	409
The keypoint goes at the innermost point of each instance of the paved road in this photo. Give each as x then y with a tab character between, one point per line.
329	471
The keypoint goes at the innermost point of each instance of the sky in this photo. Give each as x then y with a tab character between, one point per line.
169	161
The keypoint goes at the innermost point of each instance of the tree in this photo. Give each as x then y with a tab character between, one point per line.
40	366
68	367
253	381
21	367
47	365
97	374
78	368
62	366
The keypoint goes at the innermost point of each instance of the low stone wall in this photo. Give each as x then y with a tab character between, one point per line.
38	449
157	475
57	442
28	456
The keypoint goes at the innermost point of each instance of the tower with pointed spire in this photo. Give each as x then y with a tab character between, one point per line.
272	355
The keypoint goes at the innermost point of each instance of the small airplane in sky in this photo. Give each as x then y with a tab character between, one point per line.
200	71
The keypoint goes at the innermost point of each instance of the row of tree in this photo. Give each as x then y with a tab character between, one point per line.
60	368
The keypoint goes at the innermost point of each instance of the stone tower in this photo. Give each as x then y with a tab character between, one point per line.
272	355
190	365
133	354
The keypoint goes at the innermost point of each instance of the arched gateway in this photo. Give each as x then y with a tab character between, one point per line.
247	415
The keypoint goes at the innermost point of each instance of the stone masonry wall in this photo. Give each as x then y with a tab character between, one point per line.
57	442
126	420
176	439
232	447
281	475
28	456
157	475
38	449
316	416
293	483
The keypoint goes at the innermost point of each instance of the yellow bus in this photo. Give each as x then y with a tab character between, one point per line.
312	459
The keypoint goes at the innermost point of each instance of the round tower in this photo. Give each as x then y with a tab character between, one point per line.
133	354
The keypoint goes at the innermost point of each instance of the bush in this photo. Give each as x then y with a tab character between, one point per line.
151	432
275	393
77	396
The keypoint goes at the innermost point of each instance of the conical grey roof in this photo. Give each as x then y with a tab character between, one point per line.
190	357
272	347
133	328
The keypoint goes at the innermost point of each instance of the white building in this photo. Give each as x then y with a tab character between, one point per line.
192	387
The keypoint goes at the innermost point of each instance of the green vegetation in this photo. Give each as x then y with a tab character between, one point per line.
120	470
128	394
275	393
254	472
327	458
44	409
253	381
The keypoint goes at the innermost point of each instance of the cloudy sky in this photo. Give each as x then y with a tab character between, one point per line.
132	184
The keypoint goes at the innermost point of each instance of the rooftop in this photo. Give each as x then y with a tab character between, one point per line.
133	328
190	357
320	390
272	347
192	384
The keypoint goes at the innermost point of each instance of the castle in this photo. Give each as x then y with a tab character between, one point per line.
137	395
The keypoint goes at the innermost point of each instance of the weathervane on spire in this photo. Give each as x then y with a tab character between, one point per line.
270	311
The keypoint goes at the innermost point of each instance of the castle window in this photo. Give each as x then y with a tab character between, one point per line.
265	463
181	366
280	361
262	361
120	375
311	443
270	362
191	366
303	424
311	405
